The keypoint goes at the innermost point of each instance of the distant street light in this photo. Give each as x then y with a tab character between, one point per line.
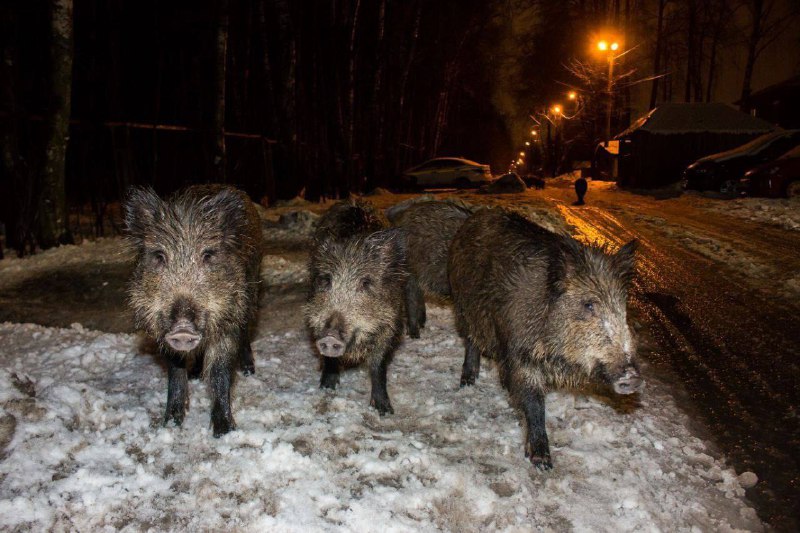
556	109
522	154
572	95
602	46
534	133
527	143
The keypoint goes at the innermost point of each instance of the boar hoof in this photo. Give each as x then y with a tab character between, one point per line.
176	414
467	380
539	455
222	426
382	405
413	333
329	381
248	370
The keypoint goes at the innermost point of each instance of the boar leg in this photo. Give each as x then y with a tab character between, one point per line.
246	360
196	370
415	307
472	363
537	448
220	381
379	398
330	373
177	389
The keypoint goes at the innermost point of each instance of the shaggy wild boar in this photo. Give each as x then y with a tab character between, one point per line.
429	227
549	309
347	219
355	305
195	286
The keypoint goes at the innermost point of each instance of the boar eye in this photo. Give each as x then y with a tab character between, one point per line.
589	306
158	258
208	255
365	283
323	282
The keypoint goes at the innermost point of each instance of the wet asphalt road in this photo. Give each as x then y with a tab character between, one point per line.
731	344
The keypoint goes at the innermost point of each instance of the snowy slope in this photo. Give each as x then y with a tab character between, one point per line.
88	451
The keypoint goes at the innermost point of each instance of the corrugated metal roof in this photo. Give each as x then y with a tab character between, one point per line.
669	119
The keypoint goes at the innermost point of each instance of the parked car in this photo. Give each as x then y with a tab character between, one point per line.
722	171
448	172
779	178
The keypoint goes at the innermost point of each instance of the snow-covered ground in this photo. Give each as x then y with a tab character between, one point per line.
82	446
88	452
781	212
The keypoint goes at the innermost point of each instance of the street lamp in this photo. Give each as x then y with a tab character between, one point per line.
522	154
556	109
527	143
609	48
572	95
534	133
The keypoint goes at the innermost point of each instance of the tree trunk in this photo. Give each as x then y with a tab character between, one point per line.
715	39
752	49
691	50
53	215
219	163
657	59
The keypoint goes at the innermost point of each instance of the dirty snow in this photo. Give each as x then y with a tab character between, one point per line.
781	212
89	451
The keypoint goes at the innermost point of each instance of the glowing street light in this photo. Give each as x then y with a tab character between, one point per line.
609	48
527	143
534	133
572	95
556	109
522	154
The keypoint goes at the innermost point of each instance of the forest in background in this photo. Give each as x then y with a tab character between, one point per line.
286	97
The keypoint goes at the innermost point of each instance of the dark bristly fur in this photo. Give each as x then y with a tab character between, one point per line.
358	277
549	309
198	256
429	227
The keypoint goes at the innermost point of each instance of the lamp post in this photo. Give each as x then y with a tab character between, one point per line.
609	48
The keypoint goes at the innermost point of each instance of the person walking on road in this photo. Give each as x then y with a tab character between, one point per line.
581	186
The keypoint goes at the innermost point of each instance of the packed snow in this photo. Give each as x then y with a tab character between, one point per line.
781	212
82	445
88	450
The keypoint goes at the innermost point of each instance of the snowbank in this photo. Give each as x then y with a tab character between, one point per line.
88	450
781	212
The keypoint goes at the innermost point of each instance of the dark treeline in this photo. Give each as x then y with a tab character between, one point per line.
276	96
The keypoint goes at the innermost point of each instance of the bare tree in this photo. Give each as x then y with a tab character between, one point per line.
53	216
767	24
658	53
220	71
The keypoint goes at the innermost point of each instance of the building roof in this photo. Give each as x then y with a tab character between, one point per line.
669	119
787	88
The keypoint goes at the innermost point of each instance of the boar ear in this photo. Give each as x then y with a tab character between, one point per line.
389	246
564	266
228	208
625	260
142	209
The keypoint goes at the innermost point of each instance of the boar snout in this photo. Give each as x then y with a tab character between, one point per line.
183	337
629	381
331	345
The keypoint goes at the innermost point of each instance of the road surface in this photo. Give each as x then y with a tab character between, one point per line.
711	295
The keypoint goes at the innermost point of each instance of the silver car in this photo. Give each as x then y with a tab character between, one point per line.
448	172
